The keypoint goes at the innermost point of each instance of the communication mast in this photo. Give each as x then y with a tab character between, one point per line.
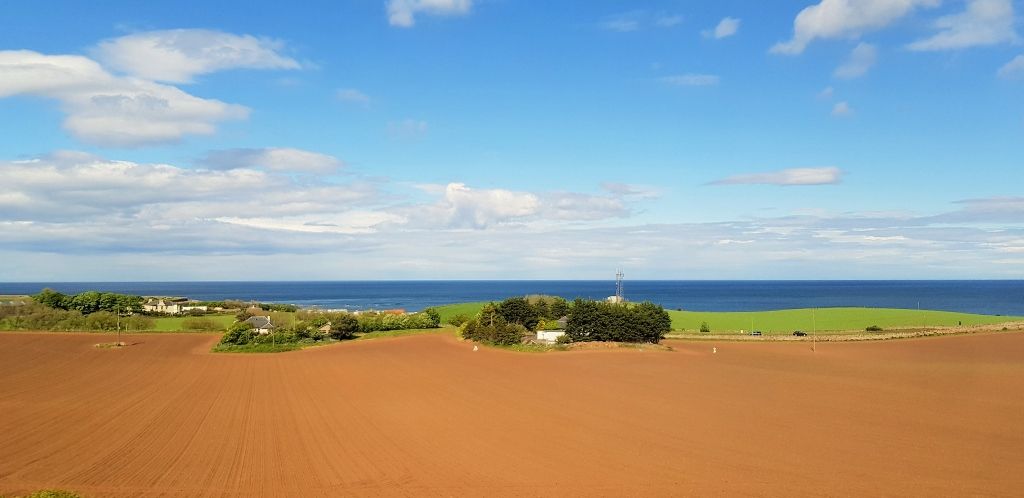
619	298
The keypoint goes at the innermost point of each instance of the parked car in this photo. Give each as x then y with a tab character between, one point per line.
799	333
756	332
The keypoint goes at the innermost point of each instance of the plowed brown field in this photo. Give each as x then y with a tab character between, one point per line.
427	416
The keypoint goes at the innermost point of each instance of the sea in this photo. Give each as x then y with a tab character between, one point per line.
991	297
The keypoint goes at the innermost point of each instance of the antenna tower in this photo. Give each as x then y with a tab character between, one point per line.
618	286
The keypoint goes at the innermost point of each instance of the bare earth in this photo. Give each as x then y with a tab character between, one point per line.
427	416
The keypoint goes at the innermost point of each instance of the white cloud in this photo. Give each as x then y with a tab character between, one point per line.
861	58
690	79
842	110
465	207
118	219
727	27
826	93
845	19
631	190
178	55
1013	69
108	110
408	129
787	177
272	159
353	96
402	13
984	22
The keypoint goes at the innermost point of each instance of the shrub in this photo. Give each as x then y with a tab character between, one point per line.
204	324
238	333
53	493
874	328
563	339
343	326
458	320
704	327
494	331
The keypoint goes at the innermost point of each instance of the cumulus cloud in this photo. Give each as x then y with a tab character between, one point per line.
272	159
787	177
845	19
861	58
353	96
1013	69
984	22
402	13
842	110
727	27
179	55
109	110
690	79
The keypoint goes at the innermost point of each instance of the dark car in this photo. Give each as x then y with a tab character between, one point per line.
799	333
756	332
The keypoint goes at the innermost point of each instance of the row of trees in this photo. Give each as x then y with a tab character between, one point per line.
35	316
316	326
89	301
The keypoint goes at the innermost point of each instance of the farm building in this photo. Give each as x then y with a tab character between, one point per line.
170	305
261	324
554	334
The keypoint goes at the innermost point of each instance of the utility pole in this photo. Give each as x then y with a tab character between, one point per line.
117	311
814	332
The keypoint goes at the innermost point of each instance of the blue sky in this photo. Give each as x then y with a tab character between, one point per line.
508	139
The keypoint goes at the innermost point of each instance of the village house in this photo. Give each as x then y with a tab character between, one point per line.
261	324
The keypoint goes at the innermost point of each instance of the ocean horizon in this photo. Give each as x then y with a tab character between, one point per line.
992	297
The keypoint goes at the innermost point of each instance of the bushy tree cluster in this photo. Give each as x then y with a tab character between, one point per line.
89	301
601	321
35	316
531	311
491	327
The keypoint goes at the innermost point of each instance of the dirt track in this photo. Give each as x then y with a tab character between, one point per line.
427	416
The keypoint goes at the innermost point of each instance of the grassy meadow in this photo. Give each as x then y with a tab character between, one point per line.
177	323
786	321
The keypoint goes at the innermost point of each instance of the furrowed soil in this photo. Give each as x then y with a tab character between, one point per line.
427	416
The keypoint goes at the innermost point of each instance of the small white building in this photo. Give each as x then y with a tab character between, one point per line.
170	306
549	335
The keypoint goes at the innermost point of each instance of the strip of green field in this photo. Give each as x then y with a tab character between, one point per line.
177	323
787	321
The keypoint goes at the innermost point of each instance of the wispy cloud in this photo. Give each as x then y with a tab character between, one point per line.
842	110
636	20
278	159
787	177
402	13
353	96
690	79
860	60
984	22
1013	69
408	129
725	28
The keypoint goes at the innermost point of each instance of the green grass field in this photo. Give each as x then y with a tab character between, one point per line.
786	321
401	333
469	309
176	323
